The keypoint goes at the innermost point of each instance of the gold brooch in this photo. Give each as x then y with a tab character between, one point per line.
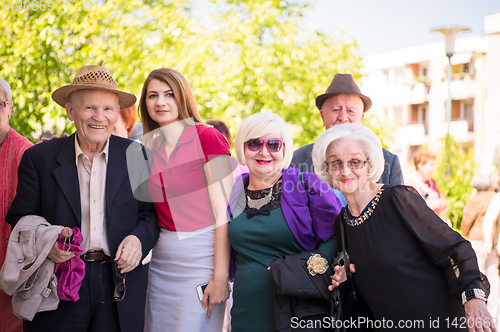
317	264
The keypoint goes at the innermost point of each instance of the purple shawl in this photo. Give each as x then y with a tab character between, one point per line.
309	213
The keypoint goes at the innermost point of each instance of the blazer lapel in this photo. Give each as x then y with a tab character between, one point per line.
117	168
67	176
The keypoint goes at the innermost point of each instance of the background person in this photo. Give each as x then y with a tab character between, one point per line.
272	217
193	248
400	248
472	229
341	103
82	181
422	181
12	147
491	229
125	123
237	168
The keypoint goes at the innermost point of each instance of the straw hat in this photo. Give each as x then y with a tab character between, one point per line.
93	78
343	83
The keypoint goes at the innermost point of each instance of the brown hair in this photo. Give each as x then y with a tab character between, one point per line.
183	96
129	116
222	128
422	156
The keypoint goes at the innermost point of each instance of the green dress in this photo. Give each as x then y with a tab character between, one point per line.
258	241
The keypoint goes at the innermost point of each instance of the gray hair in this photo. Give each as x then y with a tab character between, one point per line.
258	125
481	182
370	144
5	88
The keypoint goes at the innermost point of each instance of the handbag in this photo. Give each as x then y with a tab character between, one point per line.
348	303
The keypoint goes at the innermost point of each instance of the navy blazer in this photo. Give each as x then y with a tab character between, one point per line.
48	186
302	159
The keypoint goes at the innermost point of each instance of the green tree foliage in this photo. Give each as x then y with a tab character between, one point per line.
240	57
455	169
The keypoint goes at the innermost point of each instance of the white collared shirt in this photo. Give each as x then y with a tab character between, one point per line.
92	180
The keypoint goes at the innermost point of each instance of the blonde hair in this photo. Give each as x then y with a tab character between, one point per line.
369	142
258	125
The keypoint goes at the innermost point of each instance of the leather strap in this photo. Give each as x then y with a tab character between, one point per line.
92	256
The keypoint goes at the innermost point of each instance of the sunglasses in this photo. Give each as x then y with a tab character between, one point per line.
120	289
272	144
339	165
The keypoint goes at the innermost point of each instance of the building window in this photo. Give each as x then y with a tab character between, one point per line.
418	115
463	110
469	114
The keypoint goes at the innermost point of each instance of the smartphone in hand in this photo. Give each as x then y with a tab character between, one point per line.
200	289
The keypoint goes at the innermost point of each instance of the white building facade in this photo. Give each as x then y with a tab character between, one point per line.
409	88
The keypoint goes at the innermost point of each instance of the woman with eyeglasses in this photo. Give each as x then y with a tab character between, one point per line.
409	265
190	183
273	213
12	147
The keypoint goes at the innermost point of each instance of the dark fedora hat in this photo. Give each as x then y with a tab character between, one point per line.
343	83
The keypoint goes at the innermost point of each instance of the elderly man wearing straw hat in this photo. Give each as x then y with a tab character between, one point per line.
82	181
343	103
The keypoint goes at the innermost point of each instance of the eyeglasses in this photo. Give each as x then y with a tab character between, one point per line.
272	144
120	289
339	165
4	103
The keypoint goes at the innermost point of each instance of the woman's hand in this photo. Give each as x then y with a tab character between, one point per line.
217	291
478	317
340	276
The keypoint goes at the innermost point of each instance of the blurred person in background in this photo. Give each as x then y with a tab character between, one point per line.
491	230
421	179
12	147
472	229
224	130
126	120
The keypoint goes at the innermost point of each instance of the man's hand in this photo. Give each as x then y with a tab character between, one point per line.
129	254
57	255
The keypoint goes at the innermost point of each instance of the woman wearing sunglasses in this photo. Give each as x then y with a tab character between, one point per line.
413	270
190	182
272	216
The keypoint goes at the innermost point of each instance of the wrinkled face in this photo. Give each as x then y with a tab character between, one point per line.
264	163
5	112
120	129
342	108
160	103
347	180
94	113
427	169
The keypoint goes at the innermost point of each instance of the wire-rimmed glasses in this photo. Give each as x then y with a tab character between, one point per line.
338	165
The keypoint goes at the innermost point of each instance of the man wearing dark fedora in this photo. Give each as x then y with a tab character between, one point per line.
343	102
82	181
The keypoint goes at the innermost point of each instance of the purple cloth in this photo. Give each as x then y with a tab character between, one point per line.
310	213
70	274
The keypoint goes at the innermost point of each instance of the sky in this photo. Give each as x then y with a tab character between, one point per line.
383	25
